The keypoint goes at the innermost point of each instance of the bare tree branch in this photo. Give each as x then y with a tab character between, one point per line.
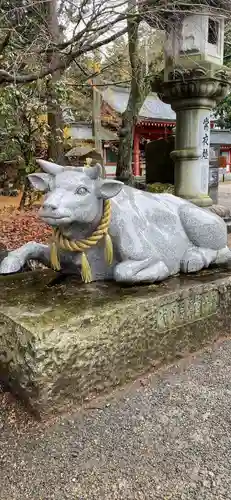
96	24
100	30
6	76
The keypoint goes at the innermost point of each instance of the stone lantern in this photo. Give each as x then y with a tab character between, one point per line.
193	82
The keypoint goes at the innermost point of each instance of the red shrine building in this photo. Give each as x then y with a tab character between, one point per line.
156	121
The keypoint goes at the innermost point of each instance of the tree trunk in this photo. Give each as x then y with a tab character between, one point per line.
24	194
55	150
29	196
124	162
26	199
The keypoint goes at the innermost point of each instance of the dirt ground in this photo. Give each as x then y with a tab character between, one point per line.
10	201
165	436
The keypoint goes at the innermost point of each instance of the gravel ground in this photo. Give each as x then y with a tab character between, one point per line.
167	436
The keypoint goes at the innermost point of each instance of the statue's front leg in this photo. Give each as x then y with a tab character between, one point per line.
16	259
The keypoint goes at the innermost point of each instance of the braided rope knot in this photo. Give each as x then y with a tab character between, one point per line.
62	242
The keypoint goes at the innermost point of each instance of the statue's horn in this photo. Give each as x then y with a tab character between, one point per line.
94	172
49	167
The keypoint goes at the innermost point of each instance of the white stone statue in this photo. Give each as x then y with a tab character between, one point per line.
103	230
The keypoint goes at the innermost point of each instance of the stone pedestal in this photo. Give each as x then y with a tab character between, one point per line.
193	93
213	183
214	165
61	343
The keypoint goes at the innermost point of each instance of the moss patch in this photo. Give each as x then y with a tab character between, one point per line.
157	187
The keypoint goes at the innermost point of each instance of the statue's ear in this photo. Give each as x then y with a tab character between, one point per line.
40	181
108	188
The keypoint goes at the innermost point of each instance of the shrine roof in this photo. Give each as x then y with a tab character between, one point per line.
152	109
220	137
80	150
83	131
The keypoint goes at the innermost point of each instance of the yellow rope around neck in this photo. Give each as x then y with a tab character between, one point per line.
61	242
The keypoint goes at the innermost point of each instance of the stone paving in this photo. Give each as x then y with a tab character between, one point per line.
224	194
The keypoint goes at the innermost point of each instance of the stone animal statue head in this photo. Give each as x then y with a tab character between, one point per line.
73	194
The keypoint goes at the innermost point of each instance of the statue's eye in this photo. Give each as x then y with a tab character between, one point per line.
81	190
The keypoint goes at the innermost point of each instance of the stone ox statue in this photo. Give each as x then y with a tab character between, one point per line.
106	230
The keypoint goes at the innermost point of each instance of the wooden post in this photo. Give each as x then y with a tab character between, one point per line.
136	154
96	119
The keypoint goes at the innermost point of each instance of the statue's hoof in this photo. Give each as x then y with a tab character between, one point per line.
11	264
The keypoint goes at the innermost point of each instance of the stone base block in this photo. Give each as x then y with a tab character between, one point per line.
201	201
63	341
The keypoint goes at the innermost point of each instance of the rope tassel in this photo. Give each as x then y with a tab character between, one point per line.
61	241
85	269
54	257
108	252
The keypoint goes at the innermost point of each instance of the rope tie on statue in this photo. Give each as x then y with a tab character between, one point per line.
62	242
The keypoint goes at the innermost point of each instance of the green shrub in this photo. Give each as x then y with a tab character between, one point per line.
160	188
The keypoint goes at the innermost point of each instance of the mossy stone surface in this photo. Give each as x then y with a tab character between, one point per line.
61	342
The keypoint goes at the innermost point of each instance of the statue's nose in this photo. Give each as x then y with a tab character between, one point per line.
50	205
